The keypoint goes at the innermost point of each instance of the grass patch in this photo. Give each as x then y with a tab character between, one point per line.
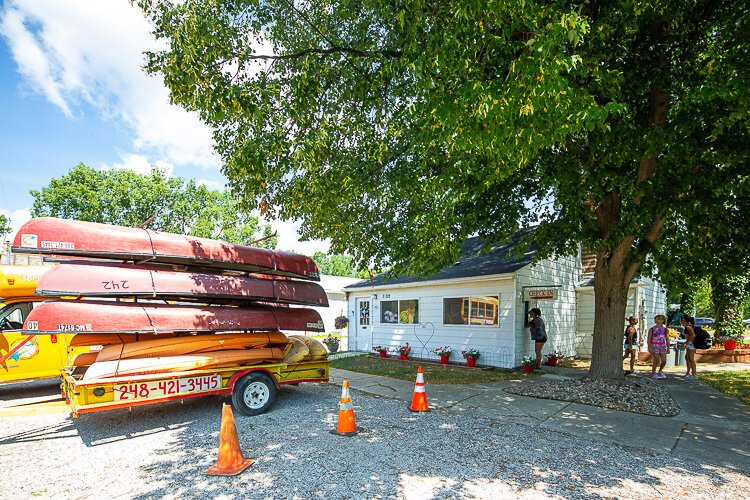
734	383
434	373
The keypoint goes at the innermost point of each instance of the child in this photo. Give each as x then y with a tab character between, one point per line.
631	337
688	322
657	346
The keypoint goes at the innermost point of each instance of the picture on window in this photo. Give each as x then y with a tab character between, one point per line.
481	310
405	312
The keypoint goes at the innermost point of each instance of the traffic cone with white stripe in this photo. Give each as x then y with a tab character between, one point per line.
419	400
346	425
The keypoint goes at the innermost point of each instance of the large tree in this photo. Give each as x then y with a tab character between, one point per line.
397	129
337	265
127	198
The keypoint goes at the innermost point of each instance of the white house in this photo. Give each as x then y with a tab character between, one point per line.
482	301
337	306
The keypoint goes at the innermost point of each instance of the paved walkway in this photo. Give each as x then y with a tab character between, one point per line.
711	428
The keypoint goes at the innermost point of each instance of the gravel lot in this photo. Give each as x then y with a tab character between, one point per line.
163	451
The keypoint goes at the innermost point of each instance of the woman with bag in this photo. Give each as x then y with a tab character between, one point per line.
538	333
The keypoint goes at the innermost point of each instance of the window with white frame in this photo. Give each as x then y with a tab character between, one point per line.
480	310
404	312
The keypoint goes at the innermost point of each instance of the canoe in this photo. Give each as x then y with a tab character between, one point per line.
50	235
193	344
272	338
96	317
317	350
143	366
90	279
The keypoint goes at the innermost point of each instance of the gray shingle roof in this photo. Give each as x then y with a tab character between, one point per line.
499	260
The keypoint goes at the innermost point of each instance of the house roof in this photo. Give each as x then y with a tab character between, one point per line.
499	260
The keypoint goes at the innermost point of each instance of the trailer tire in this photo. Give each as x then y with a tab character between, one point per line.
254	394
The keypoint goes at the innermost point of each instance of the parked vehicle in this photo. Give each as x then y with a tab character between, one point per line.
704	322
27	357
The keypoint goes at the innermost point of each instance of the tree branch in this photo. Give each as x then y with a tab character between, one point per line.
325	52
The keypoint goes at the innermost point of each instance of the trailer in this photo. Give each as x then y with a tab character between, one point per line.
253	388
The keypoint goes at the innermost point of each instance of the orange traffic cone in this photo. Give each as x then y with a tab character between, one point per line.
231	461
346	425
419	400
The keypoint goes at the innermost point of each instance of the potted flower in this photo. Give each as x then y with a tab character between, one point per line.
404	351
471	356
340	322
332	343
553	356
730	341
380	349
444	352
528	364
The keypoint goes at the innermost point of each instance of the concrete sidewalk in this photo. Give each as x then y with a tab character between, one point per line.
711	428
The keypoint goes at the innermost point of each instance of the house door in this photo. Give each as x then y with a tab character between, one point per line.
364	328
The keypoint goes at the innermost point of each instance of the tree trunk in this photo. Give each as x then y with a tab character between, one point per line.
610	303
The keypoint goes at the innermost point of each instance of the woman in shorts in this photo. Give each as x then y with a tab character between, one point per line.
688	322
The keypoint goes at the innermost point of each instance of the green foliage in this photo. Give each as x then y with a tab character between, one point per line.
337	265
735	383
4	226
730	293
399	129
126	198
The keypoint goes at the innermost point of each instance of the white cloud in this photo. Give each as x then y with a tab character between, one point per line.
92	51
211	184
141	164
17	219
289	238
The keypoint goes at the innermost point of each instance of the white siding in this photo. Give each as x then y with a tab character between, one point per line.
645	300
559	315
496	344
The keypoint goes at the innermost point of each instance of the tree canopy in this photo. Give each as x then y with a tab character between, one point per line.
337	265
4	226
399	129
127	198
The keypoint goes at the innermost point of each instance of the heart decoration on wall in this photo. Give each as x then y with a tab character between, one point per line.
424	332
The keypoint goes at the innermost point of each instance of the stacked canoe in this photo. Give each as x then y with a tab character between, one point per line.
162	302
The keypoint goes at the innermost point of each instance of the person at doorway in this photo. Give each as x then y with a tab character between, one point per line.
631	337
658	347
538	333
688	322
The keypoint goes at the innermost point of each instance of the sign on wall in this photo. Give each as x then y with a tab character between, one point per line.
540	294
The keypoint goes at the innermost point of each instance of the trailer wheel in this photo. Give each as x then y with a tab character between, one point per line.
254	394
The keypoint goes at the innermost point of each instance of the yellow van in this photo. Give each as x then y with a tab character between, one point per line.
24	357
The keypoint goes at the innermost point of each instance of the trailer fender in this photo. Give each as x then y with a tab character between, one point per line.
235	377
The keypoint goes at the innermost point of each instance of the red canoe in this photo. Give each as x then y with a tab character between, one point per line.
92	279
95	317
70	237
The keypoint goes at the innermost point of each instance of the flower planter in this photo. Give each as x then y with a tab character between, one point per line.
729	345
444	358
332	348
552	361
383	354
404	357
527	368
471	361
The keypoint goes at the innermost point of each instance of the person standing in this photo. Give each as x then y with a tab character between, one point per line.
657	346
688	322
631	337
538	333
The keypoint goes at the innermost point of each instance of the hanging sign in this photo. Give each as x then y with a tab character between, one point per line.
540	294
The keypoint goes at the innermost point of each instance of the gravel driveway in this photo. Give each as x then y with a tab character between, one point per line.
163	451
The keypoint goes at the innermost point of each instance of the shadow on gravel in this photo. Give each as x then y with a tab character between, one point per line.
440	454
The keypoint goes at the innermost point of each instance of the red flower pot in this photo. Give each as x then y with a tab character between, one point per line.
552	361
527	368
444	358
404	357
471	361
383	354
729	345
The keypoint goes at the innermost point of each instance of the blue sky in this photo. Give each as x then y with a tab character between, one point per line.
72	91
